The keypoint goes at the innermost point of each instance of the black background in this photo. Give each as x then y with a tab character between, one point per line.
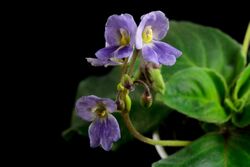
63	34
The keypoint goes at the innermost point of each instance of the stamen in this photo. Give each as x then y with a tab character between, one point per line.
125	38
147	34
101	110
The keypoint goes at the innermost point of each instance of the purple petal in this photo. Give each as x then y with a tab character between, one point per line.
106	53
167	49
110	132
95	62
109	104
99	62
168	60
166	54
149	54
84	107
124	52
159	24
138	36
113	26
95	131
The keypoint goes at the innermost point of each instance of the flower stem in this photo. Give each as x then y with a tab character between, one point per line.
124	67
144	85
134	56
246	41
139	136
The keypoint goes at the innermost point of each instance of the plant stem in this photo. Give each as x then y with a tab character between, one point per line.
124	67
136	134
134	56
144	85
246	41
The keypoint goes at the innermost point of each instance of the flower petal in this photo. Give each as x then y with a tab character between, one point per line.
166	54
168	60
84	107
167	49
113	26
95	131
159	24
110	132
109	104
124	52
99	62
106	53
149	54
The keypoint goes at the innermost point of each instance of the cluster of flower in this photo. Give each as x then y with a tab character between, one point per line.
123	38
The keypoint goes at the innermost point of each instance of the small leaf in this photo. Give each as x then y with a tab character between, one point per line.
213	150
242	119
198	93
241	98
242	88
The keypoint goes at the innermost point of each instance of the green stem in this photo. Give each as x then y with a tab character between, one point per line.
246	41
124	67
143	64
136	134
134	56
144	85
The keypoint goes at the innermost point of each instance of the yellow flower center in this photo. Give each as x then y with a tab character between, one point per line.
147	34
125	38
101	110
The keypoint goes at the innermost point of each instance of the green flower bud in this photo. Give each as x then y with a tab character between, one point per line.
120	105
127	82
120	87
156	78
127	103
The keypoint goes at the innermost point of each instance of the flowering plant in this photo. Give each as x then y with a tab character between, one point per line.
164	67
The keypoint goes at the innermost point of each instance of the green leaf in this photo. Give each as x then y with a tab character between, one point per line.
198	93
145	120
242	88
241	96
242	119
204	47
212	150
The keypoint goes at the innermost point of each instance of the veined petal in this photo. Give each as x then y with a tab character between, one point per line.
157	21
167	59
167	54
109	104
99	62
149	54
167	49
95	131
124	52
106	53
84	107
110	132
113	26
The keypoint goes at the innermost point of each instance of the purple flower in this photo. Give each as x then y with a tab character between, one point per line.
154	27
120	37
104	129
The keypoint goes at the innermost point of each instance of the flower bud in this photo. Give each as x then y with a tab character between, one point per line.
146	99
120	105
127	82
127	103
156	78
